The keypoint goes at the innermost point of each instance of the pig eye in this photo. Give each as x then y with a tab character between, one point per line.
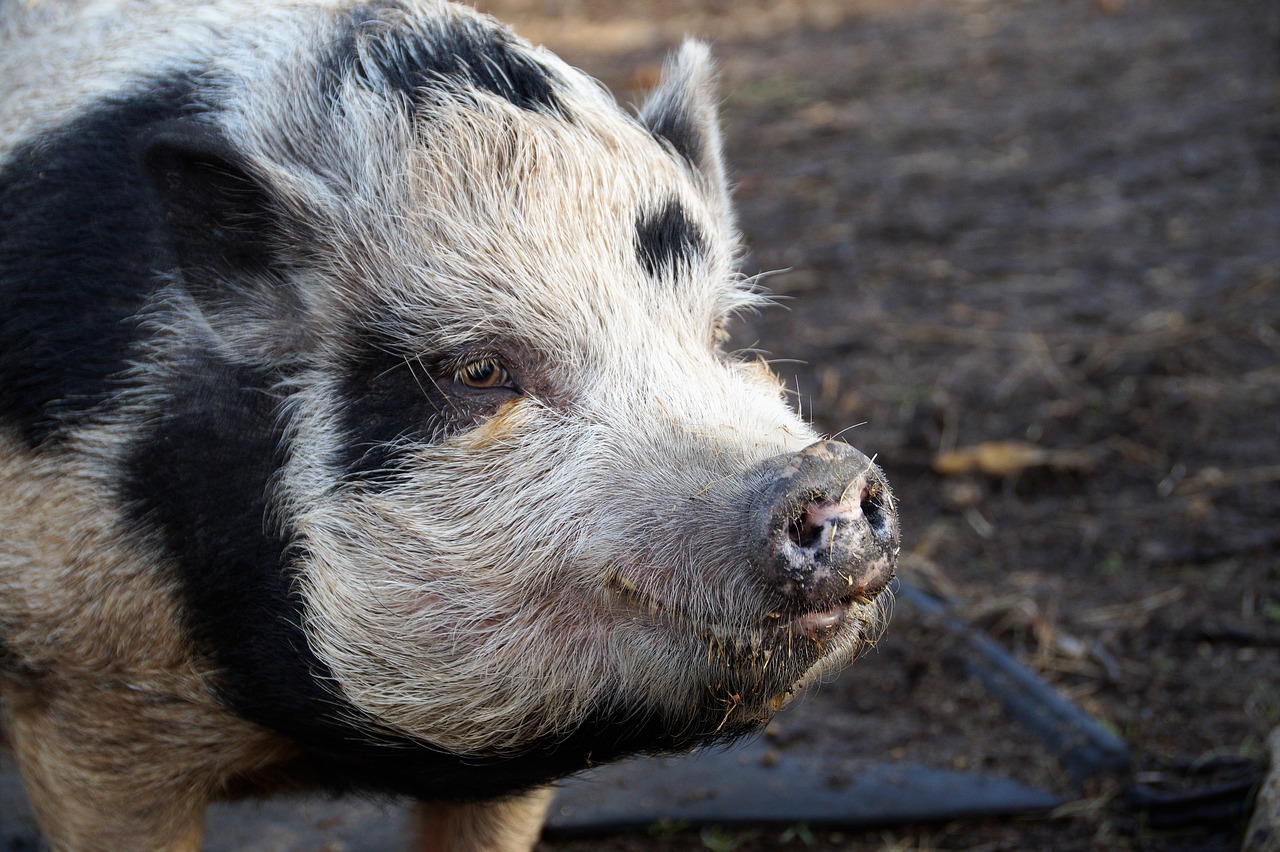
484	374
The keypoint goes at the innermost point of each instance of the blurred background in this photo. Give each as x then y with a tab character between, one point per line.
1032	262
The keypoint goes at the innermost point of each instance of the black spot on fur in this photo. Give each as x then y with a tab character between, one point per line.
202	477
85	239
388	403
667	238
79	246
383	51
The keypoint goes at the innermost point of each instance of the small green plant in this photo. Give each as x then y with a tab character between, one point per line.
1110	566
1271	611
665	828
1264	703
800	831
719	839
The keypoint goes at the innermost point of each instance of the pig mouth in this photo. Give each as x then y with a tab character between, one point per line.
742	670
843	623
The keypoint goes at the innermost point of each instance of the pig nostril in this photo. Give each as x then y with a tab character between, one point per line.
874	509
863	499
805	530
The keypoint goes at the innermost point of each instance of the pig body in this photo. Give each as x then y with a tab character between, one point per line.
365	424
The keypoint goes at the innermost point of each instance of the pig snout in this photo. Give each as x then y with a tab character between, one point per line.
824	532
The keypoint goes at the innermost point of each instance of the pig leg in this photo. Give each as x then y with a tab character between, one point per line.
91	793
511	825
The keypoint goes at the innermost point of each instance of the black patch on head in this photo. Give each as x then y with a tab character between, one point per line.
388	403
678	128
667	238
79	245
382	50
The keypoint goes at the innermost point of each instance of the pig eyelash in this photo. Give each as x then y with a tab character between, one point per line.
485	373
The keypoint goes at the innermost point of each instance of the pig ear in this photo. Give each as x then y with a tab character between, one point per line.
217	215
227	236
681	110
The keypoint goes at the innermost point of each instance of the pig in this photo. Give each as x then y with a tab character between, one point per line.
368	423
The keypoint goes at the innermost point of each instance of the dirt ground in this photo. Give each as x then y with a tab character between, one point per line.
1033	254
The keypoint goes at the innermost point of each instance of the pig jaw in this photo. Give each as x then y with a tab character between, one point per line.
739	675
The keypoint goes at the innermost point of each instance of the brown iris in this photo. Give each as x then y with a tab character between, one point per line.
483	374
